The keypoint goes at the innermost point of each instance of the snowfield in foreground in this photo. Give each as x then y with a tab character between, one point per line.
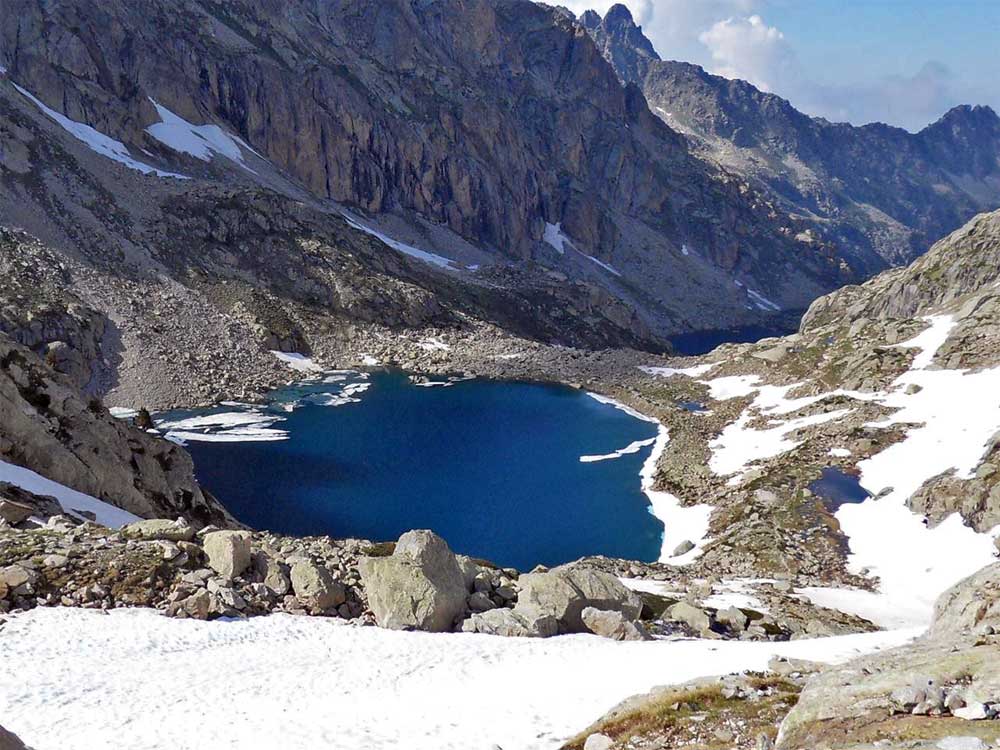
135	679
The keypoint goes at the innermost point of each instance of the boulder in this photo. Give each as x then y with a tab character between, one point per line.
470	569
315	587
15	576
683	548
614	625
564	592
160	529
228	552
506	622
273	573
690	615
733	618
14	513
971	605
480	602
598	742
419	587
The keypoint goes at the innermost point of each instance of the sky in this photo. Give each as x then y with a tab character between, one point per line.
903	62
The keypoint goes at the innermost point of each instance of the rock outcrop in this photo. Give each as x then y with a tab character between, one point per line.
564	593
952	674
48	427
418	587
10	742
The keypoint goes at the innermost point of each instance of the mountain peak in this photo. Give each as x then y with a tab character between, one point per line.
618	15
621	41
590	20
977	114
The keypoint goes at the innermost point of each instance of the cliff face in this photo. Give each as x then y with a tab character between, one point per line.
880	193
47	427
490	118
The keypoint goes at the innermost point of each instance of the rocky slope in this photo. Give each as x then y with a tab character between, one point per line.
474	146
46	426
937	692
880	193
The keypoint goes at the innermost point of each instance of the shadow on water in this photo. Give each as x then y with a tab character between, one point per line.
494	467
702	342
837	487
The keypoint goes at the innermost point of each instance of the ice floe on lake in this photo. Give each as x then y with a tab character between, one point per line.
633	447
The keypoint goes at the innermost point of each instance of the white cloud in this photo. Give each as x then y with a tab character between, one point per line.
748	48
909	101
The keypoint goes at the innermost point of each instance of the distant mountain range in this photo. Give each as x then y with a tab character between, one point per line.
881	195
500	160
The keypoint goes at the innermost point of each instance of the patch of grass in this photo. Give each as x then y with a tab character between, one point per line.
689	716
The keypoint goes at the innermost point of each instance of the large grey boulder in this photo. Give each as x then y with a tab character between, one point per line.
315	587
972	605
508	623
614	625
160	529
273	573
564	592
14	513
692	616
228	552
419	587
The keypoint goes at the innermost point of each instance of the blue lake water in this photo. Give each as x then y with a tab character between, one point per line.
494	467
836	487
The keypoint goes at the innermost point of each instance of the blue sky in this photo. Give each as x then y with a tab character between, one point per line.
904	62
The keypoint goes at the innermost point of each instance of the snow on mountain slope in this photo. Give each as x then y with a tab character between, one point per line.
73	502
96	141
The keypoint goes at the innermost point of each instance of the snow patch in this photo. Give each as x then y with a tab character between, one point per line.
420	691
298	362
954	414
73	502
200	141
957	413
97	141
735	593
603	265
433	344
680	523
555	237
687	372
738	445
762	302
402	247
